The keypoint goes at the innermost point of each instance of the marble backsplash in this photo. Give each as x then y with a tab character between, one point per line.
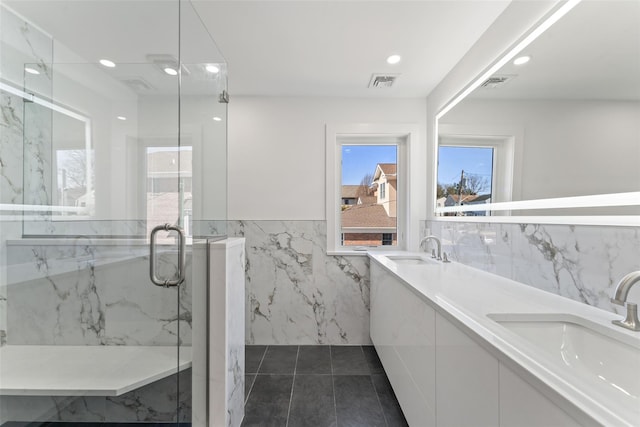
296	293
583	263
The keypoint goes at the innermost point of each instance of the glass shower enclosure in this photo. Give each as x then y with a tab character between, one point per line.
112	178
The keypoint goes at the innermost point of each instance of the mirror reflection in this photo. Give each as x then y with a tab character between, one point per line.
561	120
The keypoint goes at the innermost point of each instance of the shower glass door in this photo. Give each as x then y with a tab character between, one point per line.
111	126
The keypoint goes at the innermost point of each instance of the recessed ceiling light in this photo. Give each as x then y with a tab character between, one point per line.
521	60
171	71
31	70
107	63
212	68
217	119
393	59
123	118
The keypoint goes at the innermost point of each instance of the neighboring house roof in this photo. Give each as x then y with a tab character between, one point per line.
464	197
388	169
468	198
367	216
350	191
482	198
367	200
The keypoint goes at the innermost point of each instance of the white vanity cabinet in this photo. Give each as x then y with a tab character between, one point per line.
523	406
403	330
444	377
467	392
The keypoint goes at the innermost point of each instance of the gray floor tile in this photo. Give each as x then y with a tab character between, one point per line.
314	359
373	361
268	404
279	359
252	357
356	402
248	383
312	404
348	360
390	406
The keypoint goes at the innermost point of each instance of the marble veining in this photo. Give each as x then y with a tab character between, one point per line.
296	294
166	400
72	296
583	263
10	149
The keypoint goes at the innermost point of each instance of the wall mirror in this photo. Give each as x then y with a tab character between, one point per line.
58	159
553	129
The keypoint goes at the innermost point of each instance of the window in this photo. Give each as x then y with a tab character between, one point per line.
367	165
75	172
480	164
168	175
366	172
465	177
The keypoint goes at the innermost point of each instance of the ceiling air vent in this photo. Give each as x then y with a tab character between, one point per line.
382	80
138	84
497	81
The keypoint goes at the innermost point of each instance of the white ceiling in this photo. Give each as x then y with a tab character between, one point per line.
593	52
331	48
281	48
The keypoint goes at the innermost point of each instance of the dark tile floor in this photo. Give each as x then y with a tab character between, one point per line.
338	386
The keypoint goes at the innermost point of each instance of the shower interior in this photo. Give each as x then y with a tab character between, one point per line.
92	158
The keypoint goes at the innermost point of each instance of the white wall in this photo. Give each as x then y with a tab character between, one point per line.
277	150
569	148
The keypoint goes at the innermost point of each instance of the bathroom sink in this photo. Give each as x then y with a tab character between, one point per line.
606	356
409	259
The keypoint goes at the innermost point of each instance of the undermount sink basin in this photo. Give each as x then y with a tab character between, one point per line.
608	357
409	259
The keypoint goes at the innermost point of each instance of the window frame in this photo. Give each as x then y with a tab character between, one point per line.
507	160
410	153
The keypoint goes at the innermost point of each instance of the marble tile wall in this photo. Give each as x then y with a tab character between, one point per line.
583	263
84	293
20	44
295	293
80	292
155	402
226	330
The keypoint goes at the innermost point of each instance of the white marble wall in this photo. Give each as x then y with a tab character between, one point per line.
295	293
91	294
226	331
20	44
583	263
83	292
155	402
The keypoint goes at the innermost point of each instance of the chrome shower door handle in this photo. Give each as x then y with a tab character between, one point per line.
182	256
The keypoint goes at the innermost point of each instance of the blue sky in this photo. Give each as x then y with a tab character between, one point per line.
359	160
473	160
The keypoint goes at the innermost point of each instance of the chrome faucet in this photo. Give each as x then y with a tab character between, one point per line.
620	298
438	254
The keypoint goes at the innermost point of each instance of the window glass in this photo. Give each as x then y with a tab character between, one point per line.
169	186
75	169
369	195
465	177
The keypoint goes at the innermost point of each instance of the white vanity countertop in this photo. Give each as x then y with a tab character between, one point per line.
469	295
65	370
